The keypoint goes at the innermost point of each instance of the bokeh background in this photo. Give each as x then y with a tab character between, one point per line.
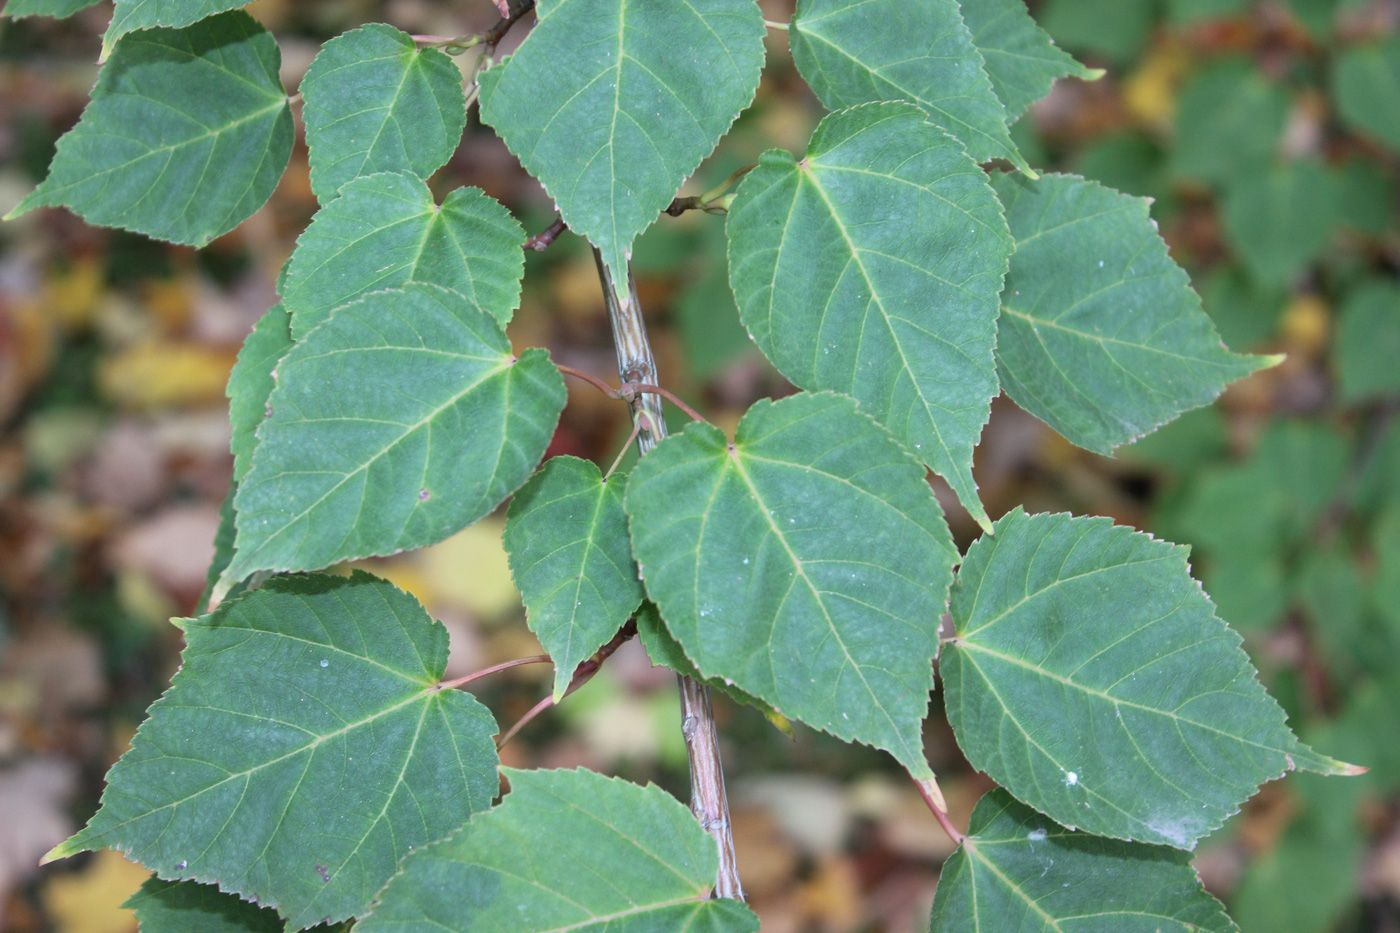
1268	135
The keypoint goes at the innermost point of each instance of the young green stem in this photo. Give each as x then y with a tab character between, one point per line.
708	802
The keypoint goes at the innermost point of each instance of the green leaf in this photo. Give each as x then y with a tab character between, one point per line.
1101	335
1280	220
620	858
1230	121
17	9
375	102
612	104
1386	547
1366	87
747	550
223	549
399	421
858	51
251	382
896	307
1017	870
131	15
186	135
1021	59
1090	677
183	906
302	749
566	535
664	651
1367	192
1367	344
385	230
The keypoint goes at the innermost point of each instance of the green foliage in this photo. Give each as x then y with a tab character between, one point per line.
243	774
1019	870
182	906
400	469
566	535
60	8
1101	335
1070	628
308	756
384	230
187	134
745	548
621	858
858	51
889	310
377	103
598	105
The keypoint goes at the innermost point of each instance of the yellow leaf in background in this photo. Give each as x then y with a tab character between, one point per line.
1306	325
470	569
90	901
164	374
70	294
1150	92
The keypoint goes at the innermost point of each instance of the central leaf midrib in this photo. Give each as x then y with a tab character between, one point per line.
800	569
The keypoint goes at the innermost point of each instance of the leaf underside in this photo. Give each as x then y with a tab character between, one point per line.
896	306
385	230
620	859
302	750
566	534
1101	336
748	552
612	104
1090	677
400	420
1018	870
187	133
375	102
859	51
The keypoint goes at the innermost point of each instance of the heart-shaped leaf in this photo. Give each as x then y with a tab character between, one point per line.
385	230
375	102
1017	870
611	104
896	306
1090	676
402	419
187	133
747	548
619	858
302	750
571	559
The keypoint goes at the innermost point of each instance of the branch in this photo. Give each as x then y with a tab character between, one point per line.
582	675
628	390
542	240
708	801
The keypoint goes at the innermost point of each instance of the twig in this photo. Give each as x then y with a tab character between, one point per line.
493	669
542	240
708	801
928	789
510	15
636	429
628	391
582	675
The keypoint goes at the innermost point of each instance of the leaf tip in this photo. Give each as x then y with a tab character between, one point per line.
1351	770
1093	74
62	850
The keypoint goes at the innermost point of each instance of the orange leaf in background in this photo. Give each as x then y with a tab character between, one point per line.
1150	92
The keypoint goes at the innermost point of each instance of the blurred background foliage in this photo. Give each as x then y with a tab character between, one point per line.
1267	135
